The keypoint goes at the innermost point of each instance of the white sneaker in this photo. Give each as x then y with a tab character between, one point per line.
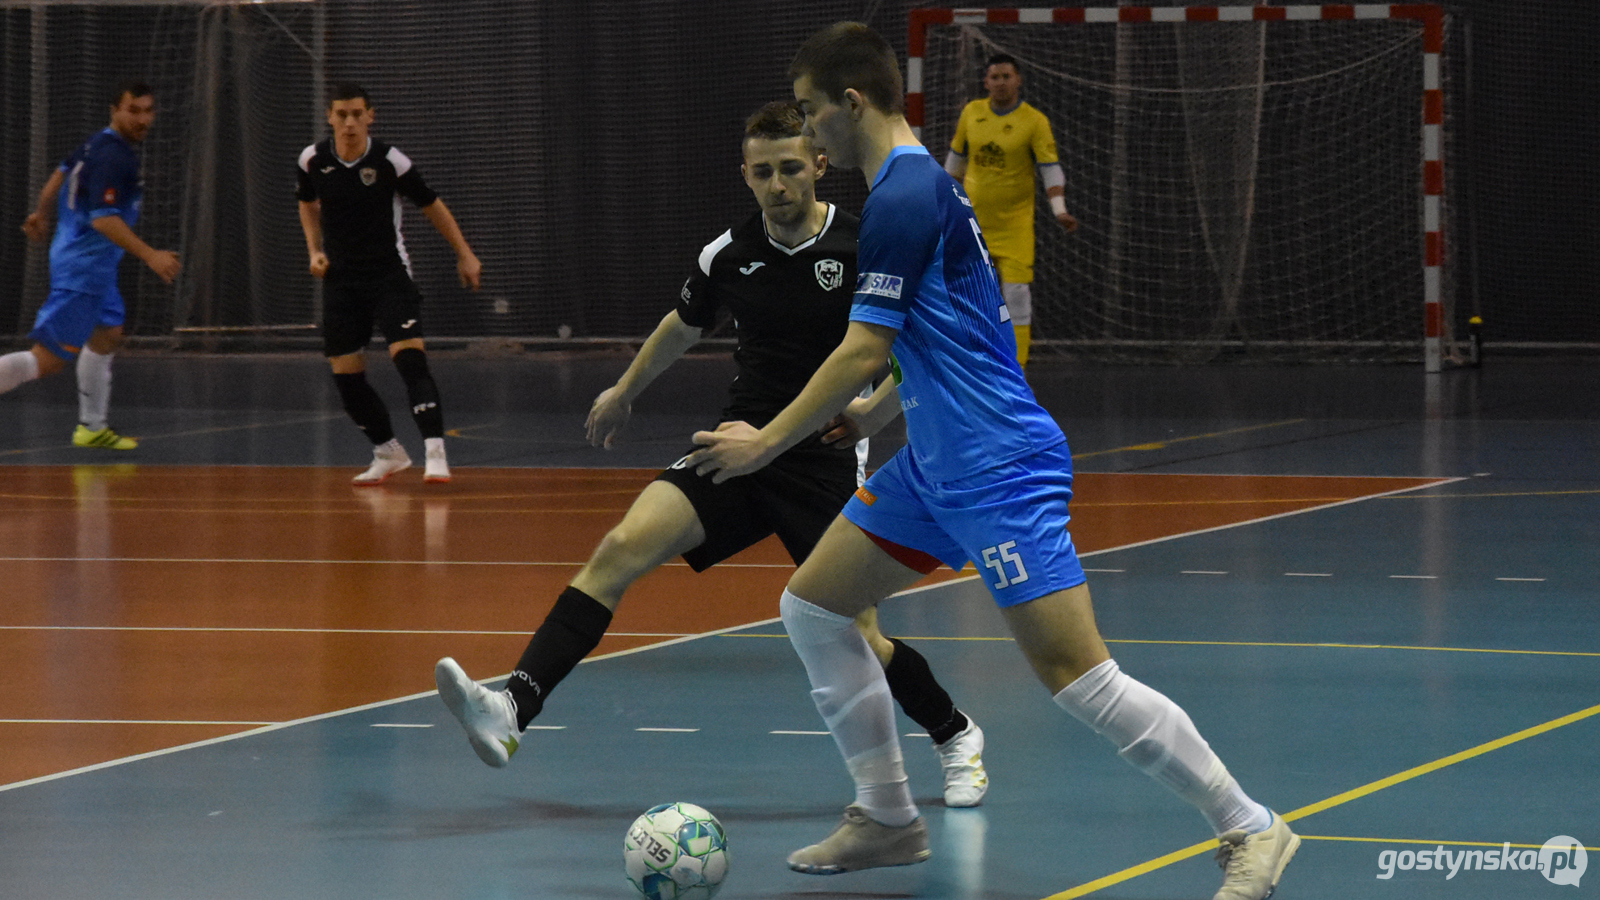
387	459
488	717
961	757
1253	863
437	470
860	842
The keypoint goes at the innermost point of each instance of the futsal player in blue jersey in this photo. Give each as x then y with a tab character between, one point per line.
100	193
986	476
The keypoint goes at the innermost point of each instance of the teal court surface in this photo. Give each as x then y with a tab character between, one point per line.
1406	674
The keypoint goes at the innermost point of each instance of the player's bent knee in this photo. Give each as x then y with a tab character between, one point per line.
622	551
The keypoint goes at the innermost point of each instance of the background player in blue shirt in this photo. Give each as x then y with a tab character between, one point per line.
100	193
986	476
785	274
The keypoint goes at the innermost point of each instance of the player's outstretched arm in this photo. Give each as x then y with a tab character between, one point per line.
467	265
664	346
736	448
162	262
311	224
37	225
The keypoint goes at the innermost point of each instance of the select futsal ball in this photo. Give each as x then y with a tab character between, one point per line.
676	851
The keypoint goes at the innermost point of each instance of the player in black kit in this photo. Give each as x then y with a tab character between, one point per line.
787	275
350	188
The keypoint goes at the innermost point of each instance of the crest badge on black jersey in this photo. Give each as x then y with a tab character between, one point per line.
369	176
830	273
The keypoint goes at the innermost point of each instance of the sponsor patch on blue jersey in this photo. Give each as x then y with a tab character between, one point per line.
881	285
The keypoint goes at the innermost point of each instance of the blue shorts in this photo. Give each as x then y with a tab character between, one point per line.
1010	520
67	318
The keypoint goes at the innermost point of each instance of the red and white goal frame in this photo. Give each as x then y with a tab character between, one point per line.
1430	16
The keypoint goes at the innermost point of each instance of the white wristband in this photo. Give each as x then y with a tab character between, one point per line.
1058	205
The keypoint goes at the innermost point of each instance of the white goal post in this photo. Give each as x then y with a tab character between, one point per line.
1241	139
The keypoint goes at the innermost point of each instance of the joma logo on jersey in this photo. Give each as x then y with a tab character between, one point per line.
881	285
830	273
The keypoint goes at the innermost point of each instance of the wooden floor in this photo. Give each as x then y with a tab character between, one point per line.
1372	590
231	597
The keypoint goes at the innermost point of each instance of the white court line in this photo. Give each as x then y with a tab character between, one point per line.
1519	579
1105	570
401	725
1416	577
434	693
1201	572
800	732
670	730
1308	574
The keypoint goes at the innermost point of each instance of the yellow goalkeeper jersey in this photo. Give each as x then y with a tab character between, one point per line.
1001	152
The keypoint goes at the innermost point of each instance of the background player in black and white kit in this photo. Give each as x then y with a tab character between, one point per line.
787	274
349	189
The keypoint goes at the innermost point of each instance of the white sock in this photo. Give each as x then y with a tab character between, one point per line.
94	388
852	695
1157	737
433	446
17	368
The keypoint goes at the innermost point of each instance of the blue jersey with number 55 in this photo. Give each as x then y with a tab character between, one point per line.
924	270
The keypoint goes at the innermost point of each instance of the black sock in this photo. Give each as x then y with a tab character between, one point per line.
364	406
421	389
919	694
573	628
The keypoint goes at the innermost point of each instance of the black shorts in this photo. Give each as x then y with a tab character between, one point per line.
350	307
796	499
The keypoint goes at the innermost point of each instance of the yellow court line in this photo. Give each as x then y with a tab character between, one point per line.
1318	646
1159	445
1373	840
1336	800
1347	647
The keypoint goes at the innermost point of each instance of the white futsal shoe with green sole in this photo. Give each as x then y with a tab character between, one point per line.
488	717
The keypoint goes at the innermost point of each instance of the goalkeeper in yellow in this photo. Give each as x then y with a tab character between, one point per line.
999	142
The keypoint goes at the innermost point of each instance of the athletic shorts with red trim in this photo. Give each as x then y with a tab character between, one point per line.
1011	520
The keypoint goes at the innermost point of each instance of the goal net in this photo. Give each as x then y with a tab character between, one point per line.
1251	182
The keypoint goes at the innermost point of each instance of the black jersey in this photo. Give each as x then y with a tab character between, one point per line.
790	307
361	206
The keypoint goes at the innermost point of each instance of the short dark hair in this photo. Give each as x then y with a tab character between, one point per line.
777	121
131	87
851	55
349	90
1001	59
